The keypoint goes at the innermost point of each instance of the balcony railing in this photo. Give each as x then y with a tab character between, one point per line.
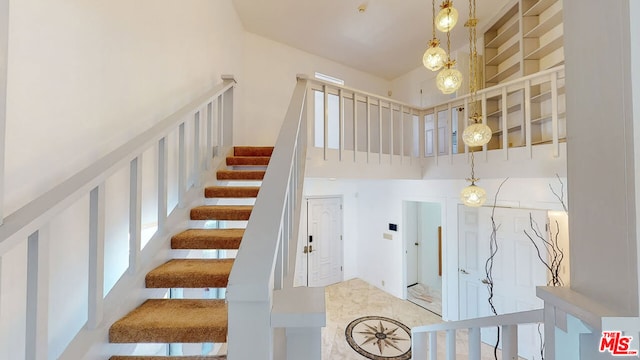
522	113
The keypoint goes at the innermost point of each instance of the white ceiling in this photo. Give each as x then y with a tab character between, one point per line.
387	40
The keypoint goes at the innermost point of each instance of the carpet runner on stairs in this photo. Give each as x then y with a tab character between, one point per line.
196	320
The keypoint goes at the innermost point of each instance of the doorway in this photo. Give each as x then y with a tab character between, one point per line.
322	251
423	251
516	269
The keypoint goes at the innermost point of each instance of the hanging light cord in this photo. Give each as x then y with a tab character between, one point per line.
473	174
433	18
473	59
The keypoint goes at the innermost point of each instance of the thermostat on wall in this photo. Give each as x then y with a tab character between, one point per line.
393	227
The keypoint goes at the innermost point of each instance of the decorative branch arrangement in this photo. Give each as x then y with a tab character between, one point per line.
552	250
488	266
560	196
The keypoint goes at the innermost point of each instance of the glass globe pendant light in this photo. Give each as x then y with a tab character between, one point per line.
434	57
447	17
476	134
449	79
473	195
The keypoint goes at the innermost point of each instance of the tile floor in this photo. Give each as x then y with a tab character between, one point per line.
355	298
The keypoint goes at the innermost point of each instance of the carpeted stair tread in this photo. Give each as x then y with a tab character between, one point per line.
252	150
248	160
216	357
190	273
173	321
221	212
231	191
240	174
207	239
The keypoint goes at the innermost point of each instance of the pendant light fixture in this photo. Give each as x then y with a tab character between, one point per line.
447	17
476	134
435	56
473	195
449	78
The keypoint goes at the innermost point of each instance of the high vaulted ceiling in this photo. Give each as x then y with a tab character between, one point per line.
387	40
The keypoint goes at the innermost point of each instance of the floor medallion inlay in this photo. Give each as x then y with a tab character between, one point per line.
379	338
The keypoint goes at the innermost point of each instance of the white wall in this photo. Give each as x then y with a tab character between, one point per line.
370	205
84	77
602	179
269	76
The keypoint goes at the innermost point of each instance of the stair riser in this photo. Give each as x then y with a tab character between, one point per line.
240	175
206	244
217	224
219	215
230	201
248	161
231	192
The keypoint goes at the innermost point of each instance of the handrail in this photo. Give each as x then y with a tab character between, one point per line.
525	317
31	216
521	113
264	263
456	99
114	184
424	339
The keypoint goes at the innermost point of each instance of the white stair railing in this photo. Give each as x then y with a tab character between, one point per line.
264	308
522	113
424	339
56	244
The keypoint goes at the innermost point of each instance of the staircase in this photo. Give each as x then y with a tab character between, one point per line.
197	320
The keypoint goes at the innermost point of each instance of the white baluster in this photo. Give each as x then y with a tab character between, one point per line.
527	118
509	342
419	344
163	187
380	131
209	152
341	124
368	127
37	337
433	345
505	124
355	127
483	107
96	256
182	167
135	213
474	343
325	145
554	114
451	344
197	165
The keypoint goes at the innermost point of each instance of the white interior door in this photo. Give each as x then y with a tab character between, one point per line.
411	241
517	270
324	241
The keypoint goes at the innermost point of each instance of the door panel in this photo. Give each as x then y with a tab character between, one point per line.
516	269
324	241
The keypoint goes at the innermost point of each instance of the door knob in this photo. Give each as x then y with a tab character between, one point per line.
416	244
485	281
306	250
310	248
464	271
